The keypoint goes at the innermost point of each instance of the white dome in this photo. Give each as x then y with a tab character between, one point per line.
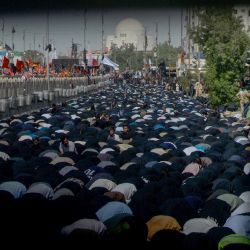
129	25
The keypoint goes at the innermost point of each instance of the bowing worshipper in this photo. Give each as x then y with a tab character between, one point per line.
102	121
234	241
161	222
54	109
66	145
36	147
194	167
107	182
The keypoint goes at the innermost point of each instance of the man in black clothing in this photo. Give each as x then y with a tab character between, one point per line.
126	135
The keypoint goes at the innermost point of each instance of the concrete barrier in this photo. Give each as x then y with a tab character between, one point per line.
35	93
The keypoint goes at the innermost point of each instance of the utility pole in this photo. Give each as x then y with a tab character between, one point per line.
169	32
3	33
102	40
145	45
72	48
34	41
181	28
156	43
47	41
24	40
169	43
135	57
102	33
199	73
84	37
189	42
198	54
12	38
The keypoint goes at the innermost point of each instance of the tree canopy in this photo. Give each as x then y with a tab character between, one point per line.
220	35
128	56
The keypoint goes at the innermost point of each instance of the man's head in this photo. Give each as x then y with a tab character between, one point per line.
36	141
65	140
111	130
125	128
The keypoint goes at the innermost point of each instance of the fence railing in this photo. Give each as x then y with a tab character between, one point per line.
17	95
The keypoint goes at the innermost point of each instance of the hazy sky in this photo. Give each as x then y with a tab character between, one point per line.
65	25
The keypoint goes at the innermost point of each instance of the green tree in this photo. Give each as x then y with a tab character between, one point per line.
167	53
220	35
128	56
185	81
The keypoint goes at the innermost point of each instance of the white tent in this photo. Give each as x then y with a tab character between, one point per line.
107	61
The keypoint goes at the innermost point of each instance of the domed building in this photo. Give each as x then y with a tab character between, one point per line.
127	31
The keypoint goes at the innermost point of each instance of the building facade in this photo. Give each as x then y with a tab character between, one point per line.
243	12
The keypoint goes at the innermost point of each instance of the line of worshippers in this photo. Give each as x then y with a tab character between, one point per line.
149	166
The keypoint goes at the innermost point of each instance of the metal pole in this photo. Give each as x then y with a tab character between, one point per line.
145	45
199	73
198	52
189	42
156	43
12	38
34	41
84	38
47	63
169	34
85	28
181	28
3	33
102	39
43	44
24	37
102	32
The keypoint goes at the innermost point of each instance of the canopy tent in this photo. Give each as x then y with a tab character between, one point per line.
107	61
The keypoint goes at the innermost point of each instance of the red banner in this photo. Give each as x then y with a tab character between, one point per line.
5	64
